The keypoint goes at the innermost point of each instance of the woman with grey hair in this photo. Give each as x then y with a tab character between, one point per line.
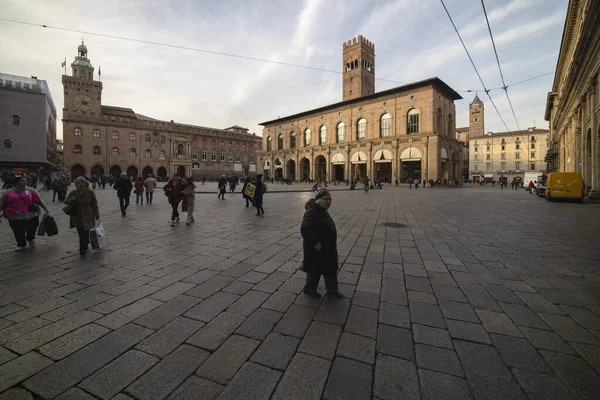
84	212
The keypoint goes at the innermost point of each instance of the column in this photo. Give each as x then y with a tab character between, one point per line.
595	145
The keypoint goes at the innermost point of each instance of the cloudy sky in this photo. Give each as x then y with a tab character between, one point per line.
414	40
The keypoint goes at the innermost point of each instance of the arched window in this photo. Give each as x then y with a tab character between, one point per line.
115	151
230	158
77	149
161	154
412	121
439	121
340	132
213	156
385	125
16	120
96	150
7	144
204	155
132	152
148	138
96	133
280	142
450	124
292	140
238	157
251	158
77	132
163	140
222	156
132	137
323	135
115	135
307	137
269	143
245	157
361	129
148	154
195	154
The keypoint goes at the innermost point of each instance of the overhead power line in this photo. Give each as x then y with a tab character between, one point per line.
512	84
487	91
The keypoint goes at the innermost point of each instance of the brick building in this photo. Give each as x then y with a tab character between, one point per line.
27	125
100	139
405	132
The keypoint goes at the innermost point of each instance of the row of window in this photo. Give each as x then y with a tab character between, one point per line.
161	154
488	167
385	130
503	156
517	147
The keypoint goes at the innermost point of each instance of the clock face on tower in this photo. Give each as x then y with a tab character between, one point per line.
82	102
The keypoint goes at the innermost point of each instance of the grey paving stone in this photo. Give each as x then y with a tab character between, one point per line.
449	293
321	340
519	353
458	311
166	313
293	285
540	386
501	293
438	359
393	291
484	388
252	382
432	336
276	351
38	310
73	341
395	342
357	348
210	287
304	379
333	310
189	275
568	329
248	303
21	368
70	370
523	316
122	300
295	321
216	331
479	297
238	287
168	374
547	340
118	374
223	364
75	394
366	300
348	277
575	373
253	277
82	304
10	309
538	303
170	337
211	307
6	355
349	379
421	297
171	292
418	284
481	360
395	379
494	322
196	388
238	270
435	385
16	330
125	315
259	324
441	279
279	301
468	331
16	394
362	321
426	314
35	339
267	286
395	315
589	352
369	283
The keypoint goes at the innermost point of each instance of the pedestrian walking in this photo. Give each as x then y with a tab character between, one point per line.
103	181
222	185
139	190
85	214
174	191
366	184
123	186
150	185
320	246
244	195
410	182
189	199
55	188
259	191
20	206
531	187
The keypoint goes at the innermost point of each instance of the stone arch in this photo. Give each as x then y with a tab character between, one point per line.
358	165
290	167
304	168
161	172
97	170
411	164
115	171
320	167
77	170
132	171
277	169
147	171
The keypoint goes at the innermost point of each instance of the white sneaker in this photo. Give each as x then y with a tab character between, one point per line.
19	248
32	243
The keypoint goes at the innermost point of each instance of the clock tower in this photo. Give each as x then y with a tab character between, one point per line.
476	126
82	93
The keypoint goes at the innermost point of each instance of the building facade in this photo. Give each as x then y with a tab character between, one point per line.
27	125
100	139
407	132
573	105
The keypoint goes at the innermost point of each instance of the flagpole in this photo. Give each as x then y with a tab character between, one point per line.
65	65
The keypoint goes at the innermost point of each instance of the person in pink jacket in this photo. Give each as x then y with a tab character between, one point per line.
20	206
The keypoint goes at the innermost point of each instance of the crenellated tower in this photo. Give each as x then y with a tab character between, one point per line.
358	68
476	118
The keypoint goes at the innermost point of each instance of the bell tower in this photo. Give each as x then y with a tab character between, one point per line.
83	94
358	56
81	66
476	118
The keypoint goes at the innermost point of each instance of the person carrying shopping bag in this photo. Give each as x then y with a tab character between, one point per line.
84	212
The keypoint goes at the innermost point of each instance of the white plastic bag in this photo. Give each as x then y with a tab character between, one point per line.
97	235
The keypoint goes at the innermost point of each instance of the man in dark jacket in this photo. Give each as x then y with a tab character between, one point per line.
222	187
123	186
320	245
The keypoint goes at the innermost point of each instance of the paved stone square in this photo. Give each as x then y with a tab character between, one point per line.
482	293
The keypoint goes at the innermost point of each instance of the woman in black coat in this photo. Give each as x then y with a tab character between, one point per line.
259	192
320	245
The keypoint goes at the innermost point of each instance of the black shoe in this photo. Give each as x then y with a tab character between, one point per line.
313	294
82	252
336	294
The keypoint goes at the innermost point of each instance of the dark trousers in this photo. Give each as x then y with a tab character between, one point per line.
259	209
175	213
247	201
149	196
124	203
139	197
221	194
54	192
313	278
84	238
24	230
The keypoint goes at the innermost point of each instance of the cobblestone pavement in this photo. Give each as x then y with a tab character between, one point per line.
482	295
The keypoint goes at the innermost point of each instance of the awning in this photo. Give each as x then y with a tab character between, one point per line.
338	159
411	154
488	175
443	154
383	156
358	158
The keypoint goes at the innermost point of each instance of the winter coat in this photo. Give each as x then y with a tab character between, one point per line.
123	187
139	186
259	192
174	192
150	184
87	209
189	199
318	227
222	184
15	205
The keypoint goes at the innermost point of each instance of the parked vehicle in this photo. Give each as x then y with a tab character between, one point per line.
565	185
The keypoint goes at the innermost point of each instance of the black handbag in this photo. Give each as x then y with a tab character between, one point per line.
71	208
